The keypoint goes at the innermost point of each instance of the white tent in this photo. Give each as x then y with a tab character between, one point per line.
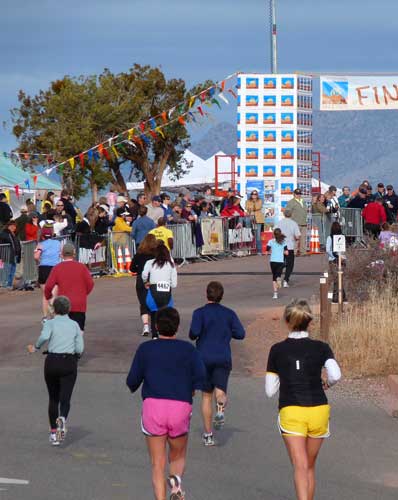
201	173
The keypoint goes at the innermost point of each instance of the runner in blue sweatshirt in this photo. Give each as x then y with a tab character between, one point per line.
170	371
213	327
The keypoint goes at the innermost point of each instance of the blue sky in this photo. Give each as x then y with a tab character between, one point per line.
43	39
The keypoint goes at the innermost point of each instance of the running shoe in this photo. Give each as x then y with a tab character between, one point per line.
219	419
61	428
145	331
275	296
174	483
53	439
279	282
285	284
208	439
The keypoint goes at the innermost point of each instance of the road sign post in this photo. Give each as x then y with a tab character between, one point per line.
339	247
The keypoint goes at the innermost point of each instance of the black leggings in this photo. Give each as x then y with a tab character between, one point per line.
60	372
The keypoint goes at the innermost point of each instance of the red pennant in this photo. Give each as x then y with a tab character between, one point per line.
223	85
232	92
181	120
35	180
203	96
153	134
142	126
164	116
138	141
101	149
81	158
16	187
199	108
106	154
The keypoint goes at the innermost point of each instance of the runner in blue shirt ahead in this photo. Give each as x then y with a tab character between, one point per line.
277	249
213	327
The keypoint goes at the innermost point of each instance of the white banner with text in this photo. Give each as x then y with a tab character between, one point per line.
355	93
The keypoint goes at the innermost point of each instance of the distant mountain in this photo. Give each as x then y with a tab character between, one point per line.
353	145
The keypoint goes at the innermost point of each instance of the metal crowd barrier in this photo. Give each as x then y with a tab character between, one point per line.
241	235
351	224
184	244
28	263
4	263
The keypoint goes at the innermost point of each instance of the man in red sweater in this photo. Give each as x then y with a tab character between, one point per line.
374	215
73	281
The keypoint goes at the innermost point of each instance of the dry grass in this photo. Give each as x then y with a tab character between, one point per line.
365	338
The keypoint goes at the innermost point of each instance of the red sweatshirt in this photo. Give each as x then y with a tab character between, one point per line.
374	213
31	232
73	280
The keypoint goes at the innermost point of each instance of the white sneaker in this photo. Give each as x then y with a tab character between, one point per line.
145	331
275	296
61	428
285	284
53	439
208	439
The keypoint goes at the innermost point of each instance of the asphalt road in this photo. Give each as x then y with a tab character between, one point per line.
105	457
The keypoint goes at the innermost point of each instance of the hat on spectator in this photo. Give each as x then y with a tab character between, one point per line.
185	191
380	185
297	191
390	187
11	222
363	191
121	199
332	188
105	208
156	198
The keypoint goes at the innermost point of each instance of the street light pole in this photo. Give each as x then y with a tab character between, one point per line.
274	65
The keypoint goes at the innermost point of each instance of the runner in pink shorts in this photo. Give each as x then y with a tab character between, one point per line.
170	371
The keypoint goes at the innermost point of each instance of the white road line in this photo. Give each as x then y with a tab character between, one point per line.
7	480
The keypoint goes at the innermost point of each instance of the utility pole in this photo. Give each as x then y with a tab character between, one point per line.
274	65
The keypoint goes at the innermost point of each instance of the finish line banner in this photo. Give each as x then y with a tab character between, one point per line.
356	93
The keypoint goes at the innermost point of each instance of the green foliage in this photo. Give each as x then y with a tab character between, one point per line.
74	114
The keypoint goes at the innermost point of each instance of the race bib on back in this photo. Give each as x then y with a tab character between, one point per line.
163	286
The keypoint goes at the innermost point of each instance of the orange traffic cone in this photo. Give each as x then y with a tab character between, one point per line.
315	245
120	262
127	259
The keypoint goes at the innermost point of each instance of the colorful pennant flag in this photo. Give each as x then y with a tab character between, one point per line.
72	163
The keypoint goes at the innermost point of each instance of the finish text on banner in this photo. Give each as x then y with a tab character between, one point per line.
353	93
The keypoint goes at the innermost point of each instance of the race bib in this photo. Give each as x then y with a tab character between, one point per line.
163	286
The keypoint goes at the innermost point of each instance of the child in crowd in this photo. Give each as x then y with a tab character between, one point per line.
386	235
277	249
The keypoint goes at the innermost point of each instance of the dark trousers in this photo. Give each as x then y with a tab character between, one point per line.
60	372
80	318
373	230
289	263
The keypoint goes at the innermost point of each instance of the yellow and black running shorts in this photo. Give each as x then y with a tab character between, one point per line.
306	421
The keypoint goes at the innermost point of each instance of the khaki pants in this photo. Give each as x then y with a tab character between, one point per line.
302	244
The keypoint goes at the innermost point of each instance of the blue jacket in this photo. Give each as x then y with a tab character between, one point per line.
141	228
213	327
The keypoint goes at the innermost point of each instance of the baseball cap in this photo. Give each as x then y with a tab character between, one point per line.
332	188
156	198
121	199
297	191
105	207
389	187
380	185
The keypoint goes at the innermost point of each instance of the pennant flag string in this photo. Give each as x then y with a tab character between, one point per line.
207	97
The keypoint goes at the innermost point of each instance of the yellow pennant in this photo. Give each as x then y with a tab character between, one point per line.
72	163
115	152
192	102
130	134
160	132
